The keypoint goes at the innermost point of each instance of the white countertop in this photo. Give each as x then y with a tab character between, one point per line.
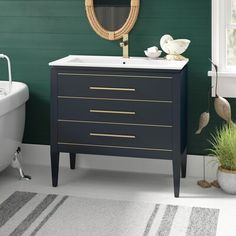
119	62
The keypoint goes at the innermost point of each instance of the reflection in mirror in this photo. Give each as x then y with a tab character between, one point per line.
112	29
112	14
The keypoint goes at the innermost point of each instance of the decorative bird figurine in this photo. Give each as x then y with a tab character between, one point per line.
173	48
203	121
223	109
222	106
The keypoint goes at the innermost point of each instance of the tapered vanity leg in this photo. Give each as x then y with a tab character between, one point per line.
184	164
54	167
176	175
72	160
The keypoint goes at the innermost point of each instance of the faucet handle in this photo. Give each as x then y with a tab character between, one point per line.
125	40
122	44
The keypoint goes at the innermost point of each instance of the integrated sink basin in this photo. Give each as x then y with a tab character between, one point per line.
118	62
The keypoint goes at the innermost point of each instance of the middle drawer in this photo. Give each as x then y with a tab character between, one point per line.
154	113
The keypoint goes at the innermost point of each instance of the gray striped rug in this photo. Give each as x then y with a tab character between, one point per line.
25	213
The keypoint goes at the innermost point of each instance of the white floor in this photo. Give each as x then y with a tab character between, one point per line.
124	186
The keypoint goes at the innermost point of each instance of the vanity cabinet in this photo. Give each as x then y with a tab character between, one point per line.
130	112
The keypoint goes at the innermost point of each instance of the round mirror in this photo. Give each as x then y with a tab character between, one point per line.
112	19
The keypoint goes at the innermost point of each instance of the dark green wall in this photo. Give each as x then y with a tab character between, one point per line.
34	33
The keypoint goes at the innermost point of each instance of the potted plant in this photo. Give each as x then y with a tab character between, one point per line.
224	149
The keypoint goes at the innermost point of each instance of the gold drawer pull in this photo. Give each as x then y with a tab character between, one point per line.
113	89
112	135
113	112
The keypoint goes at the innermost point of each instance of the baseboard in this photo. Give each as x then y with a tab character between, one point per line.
40	155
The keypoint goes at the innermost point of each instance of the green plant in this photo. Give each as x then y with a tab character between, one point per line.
224	146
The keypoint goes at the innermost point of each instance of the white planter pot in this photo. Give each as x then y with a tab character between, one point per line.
227	180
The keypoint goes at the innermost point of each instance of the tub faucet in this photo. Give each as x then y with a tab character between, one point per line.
9	69
125	45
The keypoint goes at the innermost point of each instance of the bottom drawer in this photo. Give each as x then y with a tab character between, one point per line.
108	135
115	151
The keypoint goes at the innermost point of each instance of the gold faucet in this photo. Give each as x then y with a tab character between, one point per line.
125	45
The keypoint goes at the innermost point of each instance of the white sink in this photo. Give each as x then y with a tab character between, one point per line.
118	62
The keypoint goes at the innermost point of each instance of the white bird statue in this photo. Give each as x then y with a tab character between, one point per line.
173	48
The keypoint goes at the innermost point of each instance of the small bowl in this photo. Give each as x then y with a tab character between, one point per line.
153	55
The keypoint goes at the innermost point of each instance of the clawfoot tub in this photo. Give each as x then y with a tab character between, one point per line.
13	96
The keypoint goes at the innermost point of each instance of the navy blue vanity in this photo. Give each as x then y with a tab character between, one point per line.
120	110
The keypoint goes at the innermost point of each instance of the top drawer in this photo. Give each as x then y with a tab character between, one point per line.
139	87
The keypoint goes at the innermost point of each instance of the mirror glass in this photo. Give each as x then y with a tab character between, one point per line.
112	14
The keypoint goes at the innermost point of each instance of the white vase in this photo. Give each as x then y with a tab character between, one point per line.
227	180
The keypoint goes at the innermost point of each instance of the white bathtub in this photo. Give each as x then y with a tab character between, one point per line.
12	119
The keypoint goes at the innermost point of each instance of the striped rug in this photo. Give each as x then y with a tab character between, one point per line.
28	214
